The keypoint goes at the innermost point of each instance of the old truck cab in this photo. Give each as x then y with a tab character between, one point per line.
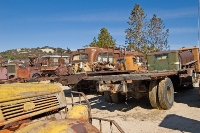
38	108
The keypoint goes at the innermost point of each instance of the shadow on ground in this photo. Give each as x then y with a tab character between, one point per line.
181	95
100	103
175	122
97	101
187	96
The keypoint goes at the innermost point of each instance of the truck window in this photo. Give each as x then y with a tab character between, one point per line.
80	57
134	60
99	57
22	66
84	57
76	57
111	57
161	57
66	60
105	57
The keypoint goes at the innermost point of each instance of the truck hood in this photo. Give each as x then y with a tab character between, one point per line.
24	90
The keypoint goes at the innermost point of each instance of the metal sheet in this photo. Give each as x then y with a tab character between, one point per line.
186	57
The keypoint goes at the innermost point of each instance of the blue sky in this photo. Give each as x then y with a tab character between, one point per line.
74	23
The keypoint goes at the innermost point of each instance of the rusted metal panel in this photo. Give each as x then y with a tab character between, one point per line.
72	79
164	74
195	51
186	57
67	125
120	77
3	73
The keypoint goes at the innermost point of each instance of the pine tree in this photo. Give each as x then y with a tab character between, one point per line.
104	40
157	37
135	34
145	36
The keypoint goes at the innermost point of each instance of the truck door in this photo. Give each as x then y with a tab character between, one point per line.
22	71
161	62
3	73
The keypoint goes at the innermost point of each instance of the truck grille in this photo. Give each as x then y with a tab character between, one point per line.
28	107
11	68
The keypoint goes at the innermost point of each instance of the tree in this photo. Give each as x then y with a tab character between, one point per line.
68	50
157	37
145	36
135	35
104	40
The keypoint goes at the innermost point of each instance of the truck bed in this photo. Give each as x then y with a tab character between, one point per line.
131	76
116	76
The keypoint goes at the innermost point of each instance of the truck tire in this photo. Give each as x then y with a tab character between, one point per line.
166	93
115	97
107	97
36	75
153	97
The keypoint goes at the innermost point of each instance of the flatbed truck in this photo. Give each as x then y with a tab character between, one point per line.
166	70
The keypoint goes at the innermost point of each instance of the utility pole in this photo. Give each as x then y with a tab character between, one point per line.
198	23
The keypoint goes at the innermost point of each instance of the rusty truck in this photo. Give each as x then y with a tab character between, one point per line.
50	64
33	69
37	107
93	60
18	71
165	71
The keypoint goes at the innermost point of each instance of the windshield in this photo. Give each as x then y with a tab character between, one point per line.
80	57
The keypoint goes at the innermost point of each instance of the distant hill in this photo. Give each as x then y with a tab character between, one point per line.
24	53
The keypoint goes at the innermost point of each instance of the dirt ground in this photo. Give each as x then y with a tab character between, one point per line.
137	116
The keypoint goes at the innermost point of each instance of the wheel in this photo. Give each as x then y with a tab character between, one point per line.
115	97
107	97
121	97
195	81
190	86
166	93
52	75
153	97
36	75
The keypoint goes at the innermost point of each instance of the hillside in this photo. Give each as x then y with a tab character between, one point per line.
23	53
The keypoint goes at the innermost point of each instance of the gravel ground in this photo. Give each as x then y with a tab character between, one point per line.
137	116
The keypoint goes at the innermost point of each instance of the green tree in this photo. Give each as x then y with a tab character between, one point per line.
68	50
104	40
135	35
157	35
145	36
11	57
59	50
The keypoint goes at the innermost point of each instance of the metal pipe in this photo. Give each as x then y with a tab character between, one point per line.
111	121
